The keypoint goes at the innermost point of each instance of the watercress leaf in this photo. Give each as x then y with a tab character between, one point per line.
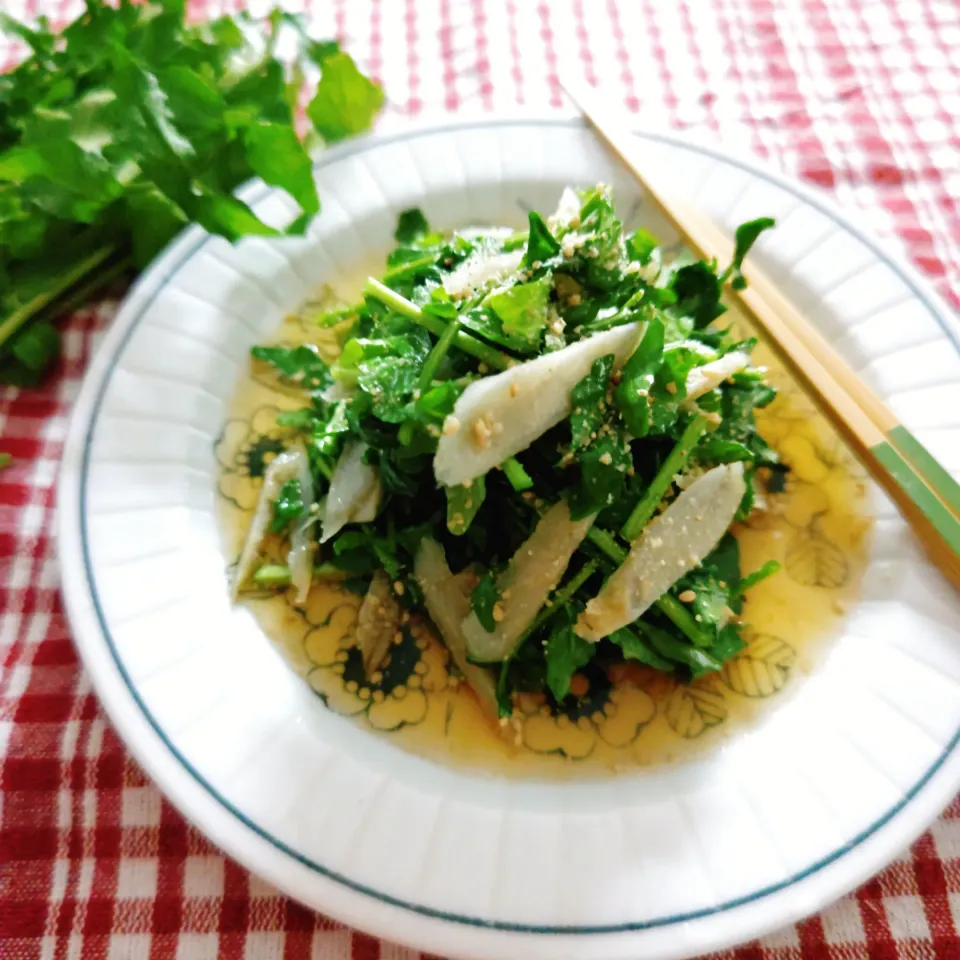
679	650
746	236
522	309
302	419
411	226
345	102
436	404
483	599
632	395
565	654
224	214
697	289
634	646
319	51
159	219
276	154
301	365
287	507
399	474
603	471
541	244
728	644
463	503
36	346
589	403
714	450
640	245
602	251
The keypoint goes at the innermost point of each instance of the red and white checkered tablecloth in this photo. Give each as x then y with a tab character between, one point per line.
861	97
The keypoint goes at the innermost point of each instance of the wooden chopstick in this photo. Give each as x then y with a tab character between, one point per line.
924	492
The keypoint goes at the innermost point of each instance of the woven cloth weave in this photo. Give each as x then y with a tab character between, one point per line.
860	97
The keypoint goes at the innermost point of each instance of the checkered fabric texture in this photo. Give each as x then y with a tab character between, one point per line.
859	97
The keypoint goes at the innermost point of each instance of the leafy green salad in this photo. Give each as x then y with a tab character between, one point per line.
540	441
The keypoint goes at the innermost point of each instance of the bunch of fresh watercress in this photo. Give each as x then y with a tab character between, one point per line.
129	124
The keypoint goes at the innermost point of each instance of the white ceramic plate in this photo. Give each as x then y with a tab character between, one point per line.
666	863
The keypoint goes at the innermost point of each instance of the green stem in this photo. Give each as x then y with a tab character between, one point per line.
439	351
752	579
516	240
14	321
682	619
606	543
621	317
323	466
674	463
519	479
404	270
435	325
83	293
278	574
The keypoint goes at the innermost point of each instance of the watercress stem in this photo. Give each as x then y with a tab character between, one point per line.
14	321
278	574
519	479
752	579
435	325
436	355
682	619
674	463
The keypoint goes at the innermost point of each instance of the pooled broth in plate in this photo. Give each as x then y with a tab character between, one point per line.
816	529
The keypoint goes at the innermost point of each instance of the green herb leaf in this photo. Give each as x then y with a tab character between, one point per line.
483	599
633	393
287	507
746	236
541	244
640	245
277	155
463	502
345	102
589	403
36	347
301	365
635	647
522	309
411	226
697	289
565	653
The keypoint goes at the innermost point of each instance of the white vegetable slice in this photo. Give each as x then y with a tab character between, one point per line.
354	494
377	622
499	416
671	545
448	605
300	557
534	570
286	466
701	380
